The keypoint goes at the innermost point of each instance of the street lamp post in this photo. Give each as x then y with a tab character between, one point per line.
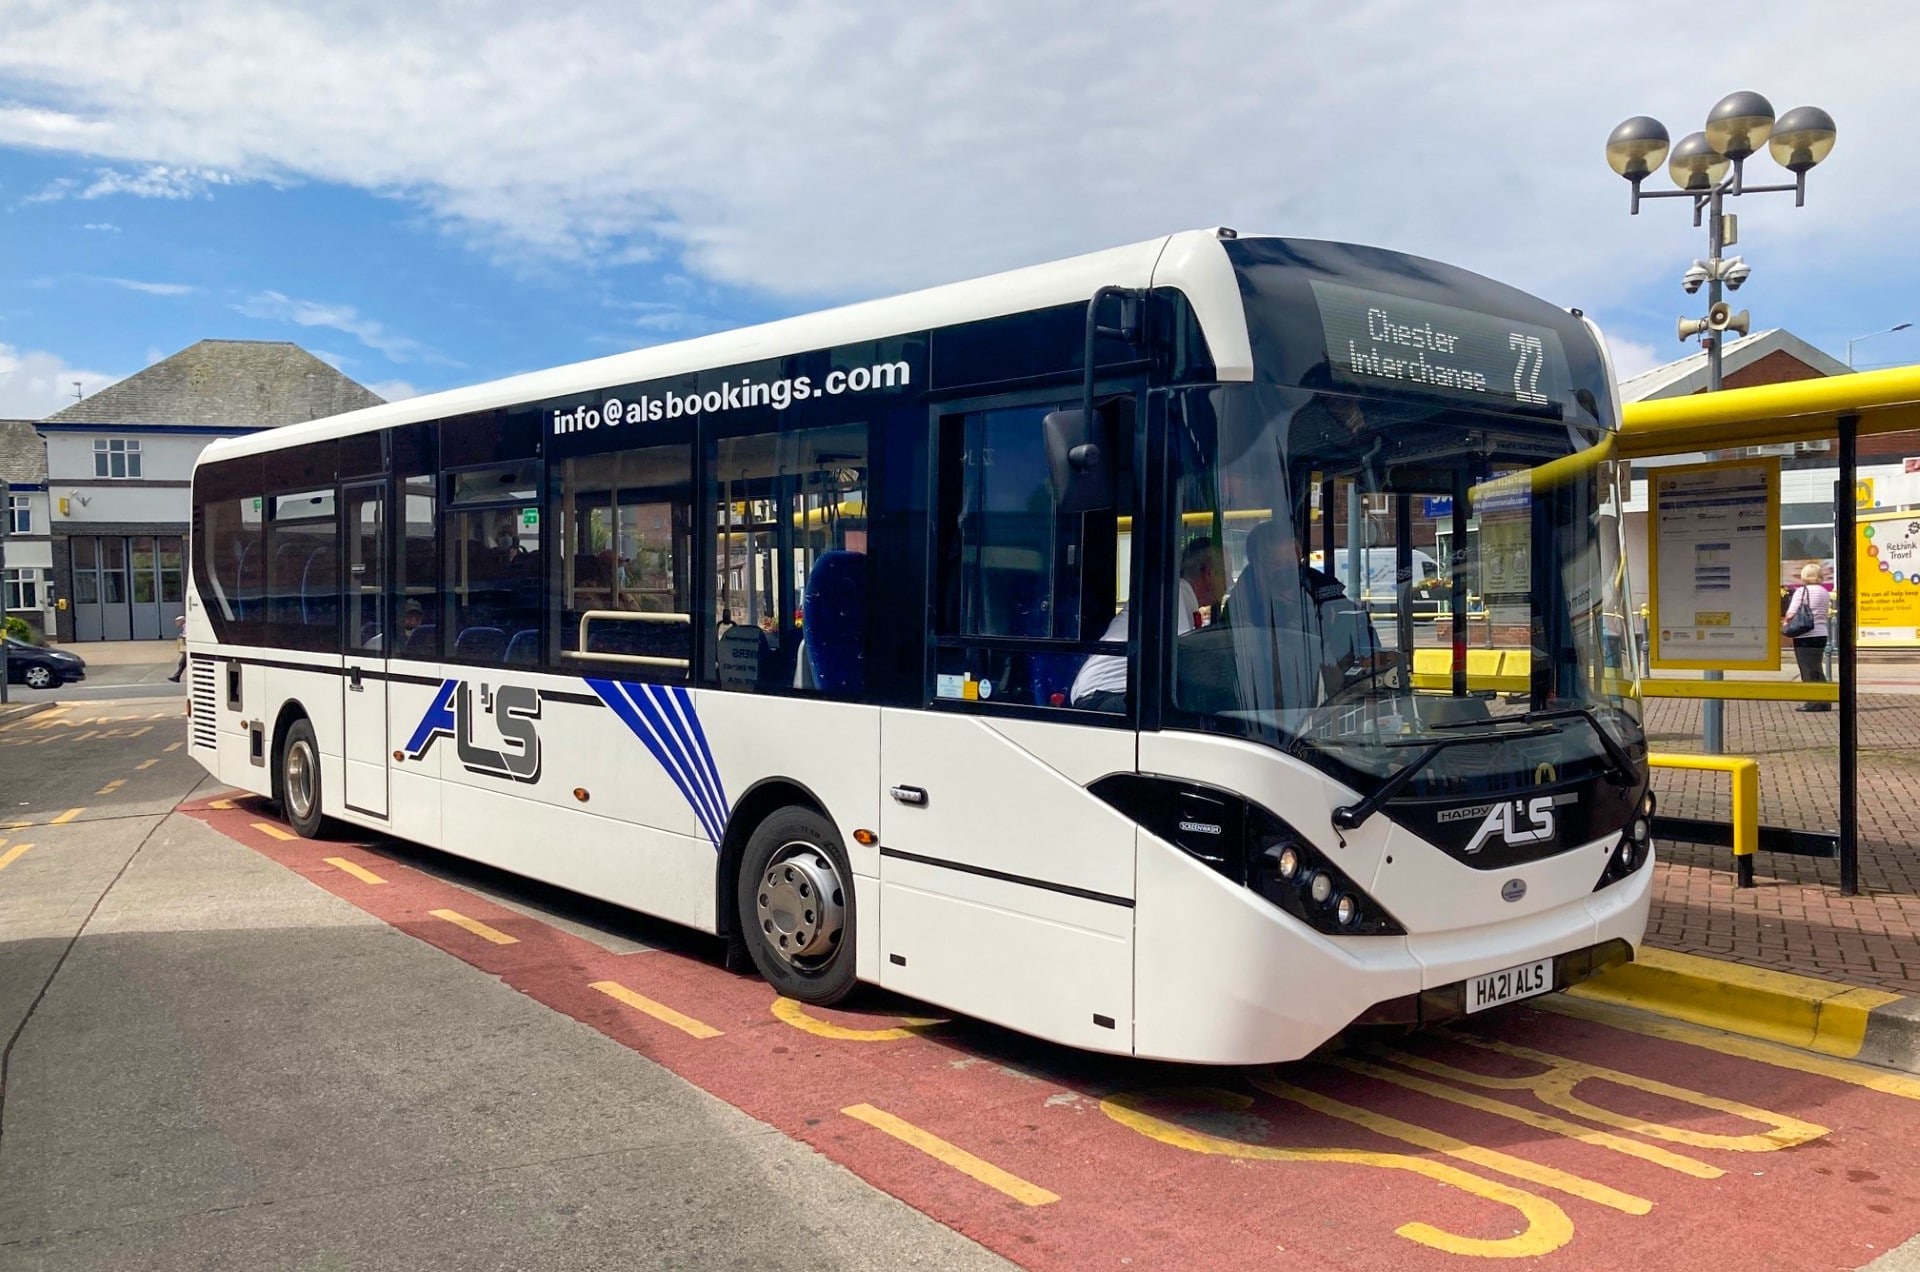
1709	167
1870	335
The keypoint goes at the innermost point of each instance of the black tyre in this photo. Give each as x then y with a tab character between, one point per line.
300	795
796	906
39	677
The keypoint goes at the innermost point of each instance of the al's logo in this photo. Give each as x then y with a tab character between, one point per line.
1519	821
514	708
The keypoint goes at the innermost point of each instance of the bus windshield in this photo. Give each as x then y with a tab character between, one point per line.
1522	639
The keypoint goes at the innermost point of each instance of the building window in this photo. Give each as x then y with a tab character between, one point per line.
23	589
115	458
21	511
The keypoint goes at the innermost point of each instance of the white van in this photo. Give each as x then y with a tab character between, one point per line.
1377	566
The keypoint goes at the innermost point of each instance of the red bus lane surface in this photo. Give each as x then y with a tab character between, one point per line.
1567	1133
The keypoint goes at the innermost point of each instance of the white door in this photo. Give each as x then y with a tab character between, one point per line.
1006	887
363	682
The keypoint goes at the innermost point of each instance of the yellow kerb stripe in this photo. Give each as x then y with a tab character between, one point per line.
146	764
361	873
958	1158
659	1011
268	828
476	927
66	817
12	854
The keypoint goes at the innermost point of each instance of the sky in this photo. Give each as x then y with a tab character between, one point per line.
433	194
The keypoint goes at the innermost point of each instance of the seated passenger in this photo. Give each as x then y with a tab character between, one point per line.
1102	682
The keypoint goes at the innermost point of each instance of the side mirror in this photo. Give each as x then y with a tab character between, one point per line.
1079	463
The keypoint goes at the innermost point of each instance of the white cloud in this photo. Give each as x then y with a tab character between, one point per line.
101	227
153	289
1631	358
34	383
394	390
823	149
155	181
276	307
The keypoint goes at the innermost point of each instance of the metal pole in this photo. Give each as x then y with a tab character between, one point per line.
1357	573
1845	580
1713	738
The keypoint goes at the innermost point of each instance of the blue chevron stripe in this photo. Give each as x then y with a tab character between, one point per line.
682	768
675	707
670	729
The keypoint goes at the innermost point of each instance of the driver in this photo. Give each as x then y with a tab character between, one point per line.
1280	588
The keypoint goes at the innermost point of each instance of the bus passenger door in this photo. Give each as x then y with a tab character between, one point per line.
363	682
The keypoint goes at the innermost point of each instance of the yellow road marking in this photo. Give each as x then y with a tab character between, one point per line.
953	1155
1435	1141
145	764
160	715
786	1009
112	786
173	746
1556	1083
1547	1226
66	817
361	873
659	1011
12	854
15	825
474	926
1779	1057
220	804
268	828
145	728
1528	1117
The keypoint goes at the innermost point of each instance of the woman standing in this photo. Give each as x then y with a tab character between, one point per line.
1810	602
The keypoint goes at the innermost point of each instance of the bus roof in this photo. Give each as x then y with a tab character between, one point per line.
1191	262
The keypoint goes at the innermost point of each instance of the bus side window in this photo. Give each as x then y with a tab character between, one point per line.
791	585
414	595
625	543
1014	566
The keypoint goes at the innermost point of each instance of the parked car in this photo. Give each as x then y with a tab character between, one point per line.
38	668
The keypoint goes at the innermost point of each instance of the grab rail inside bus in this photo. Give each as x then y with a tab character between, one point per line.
628	616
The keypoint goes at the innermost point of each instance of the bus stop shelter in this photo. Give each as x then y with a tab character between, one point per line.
1844	408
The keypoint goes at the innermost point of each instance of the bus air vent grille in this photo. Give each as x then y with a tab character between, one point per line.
205	729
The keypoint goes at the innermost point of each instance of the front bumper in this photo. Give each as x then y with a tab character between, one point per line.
1449	1002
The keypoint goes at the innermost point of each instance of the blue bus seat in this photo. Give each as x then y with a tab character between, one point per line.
524	649
481	644
834	615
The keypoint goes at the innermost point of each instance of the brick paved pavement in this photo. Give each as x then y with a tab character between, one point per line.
1795	919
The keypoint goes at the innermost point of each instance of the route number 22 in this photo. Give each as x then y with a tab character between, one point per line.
1526	372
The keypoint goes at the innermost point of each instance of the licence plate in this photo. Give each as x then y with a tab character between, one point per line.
1509	986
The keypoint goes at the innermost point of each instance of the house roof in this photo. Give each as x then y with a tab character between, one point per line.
23	454
1688	375
225	384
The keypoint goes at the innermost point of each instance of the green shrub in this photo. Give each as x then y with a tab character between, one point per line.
18	629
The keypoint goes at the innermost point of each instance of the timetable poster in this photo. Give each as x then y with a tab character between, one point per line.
1714	543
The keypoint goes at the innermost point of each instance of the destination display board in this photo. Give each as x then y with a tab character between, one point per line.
1713	543
1887	562
1380	341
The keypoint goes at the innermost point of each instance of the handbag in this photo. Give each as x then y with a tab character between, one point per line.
1799	616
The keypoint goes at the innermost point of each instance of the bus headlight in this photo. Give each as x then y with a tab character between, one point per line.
1641	830
1345	911
1321	888
1288	863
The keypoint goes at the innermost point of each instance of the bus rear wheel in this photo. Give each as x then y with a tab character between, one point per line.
300	798
796	906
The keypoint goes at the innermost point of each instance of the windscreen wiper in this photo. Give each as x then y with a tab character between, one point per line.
1353	816
1618	760
1620	764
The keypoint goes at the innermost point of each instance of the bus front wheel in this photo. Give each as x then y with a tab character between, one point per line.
300	780
796	906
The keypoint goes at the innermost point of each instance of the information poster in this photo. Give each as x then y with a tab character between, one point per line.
1714	549
1887	555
